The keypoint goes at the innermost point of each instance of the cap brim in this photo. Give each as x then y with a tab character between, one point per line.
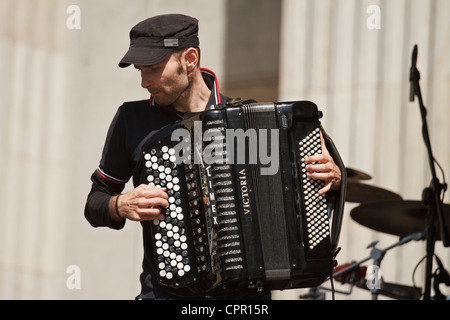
144	56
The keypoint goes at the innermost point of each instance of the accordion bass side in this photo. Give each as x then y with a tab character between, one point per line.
242	211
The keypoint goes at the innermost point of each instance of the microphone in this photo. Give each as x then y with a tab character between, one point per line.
413	74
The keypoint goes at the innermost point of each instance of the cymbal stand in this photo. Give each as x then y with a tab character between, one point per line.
432	195
377	255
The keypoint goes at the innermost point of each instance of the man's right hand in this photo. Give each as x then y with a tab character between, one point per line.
142	203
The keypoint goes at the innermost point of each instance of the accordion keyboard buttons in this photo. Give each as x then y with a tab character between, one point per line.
170	239
315	204
170	234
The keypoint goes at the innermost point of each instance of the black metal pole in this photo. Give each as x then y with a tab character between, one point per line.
433	200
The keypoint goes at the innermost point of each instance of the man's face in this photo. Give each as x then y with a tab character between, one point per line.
166	81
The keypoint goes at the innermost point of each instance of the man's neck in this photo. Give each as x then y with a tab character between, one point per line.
195	98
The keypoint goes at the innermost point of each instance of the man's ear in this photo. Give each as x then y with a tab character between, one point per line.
191	57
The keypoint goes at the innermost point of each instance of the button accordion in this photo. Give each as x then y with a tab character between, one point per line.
242	212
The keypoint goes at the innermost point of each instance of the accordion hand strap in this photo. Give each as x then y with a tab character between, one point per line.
338	197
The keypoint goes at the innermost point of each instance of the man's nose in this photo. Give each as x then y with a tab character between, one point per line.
146	82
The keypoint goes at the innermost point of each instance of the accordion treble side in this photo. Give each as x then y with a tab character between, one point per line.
242	211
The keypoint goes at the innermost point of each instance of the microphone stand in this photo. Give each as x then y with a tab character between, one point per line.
431	195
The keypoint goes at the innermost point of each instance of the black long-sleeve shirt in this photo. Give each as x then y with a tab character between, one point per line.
133	122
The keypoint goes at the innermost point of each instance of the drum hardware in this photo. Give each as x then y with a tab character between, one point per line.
440	276
355	274
401	218
396	291
314	293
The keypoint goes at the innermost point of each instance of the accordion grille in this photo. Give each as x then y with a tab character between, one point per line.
229	239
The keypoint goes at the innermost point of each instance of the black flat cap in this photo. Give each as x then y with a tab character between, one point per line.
153	39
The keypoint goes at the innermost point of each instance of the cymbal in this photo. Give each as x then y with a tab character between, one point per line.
356	174
361	192
400	218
